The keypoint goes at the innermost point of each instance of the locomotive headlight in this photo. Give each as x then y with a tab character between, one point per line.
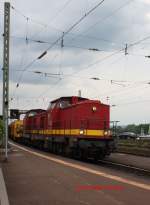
94	109
81	132
106	133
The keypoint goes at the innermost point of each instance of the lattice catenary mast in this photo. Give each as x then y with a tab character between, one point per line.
6	75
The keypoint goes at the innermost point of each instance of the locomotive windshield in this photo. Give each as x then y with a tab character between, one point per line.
64	103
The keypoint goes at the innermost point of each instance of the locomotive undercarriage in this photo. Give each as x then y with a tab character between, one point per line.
80	148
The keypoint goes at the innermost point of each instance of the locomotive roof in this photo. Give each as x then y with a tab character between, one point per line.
69	98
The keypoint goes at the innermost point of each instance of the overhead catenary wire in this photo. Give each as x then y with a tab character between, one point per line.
64	45
123	97
67	45
131	103
111	14
108	56
105	18
61	9
46	99
112	54
45	25
91	49
75	24
131	88
47	74
65	33
42	23
101	60
55	42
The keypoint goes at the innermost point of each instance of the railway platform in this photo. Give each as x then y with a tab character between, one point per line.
40	178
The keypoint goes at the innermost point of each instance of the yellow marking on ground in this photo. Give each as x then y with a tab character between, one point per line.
86	169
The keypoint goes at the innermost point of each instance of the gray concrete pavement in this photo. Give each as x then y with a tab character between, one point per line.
34	180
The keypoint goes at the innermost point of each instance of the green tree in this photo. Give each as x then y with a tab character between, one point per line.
145	127
130	128
135	128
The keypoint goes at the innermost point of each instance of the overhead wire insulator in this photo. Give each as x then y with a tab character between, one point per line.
17	85
62	41
37	72
126	50
113	105
93	49
42	55
27	41
39	41
94	78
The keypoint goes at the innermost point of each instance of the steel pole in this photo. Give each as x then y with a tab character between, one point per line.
6	75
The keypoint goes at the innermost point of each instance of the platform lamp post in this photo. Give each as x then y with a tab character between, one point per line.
5	69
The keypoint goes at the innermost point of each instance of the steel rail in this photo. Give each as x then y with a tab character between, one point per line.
138	170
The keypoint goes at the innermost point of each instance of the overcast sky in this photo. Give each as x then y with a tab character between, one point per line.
124	79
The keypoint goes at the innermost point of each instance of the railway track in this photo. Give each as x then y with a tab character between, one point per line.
125	167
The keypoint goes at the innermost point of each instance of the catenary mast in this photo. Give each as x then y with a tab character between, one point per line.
6	36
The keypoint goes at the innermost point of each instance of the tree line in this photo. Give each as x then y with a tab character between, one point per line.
134	128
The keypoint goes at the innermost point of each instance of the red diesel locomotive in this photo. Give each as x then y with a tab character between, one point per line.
71	125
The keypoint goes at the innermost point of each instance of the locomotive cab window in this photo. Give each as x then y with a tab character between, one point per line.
64	104
31	114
